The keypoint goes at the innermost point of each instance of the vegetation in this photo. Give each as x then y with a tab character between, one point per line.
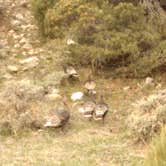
157	152
40	8
120	37
123	36
148	116
83	143
20	108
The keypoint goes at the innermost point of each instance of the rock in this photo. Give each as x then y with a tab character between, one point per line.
16	22
77	96
12	69
24	53
16	37
53	96
17	45
26	28
32	52
55	91
126	88
29	60
70	42
11	32
19	16
52	90
7	76
158	86
27	46
29	63
139	85
23	41
149	81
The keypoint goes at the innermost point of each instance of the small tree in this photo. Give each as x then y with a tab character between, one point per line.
124	36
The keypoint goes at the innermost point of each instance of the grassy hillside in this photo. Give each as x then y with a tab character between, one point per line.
112	38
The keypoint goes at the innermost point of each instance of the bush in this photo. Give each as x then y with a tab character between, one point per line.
20	108
39	9
121	39
157	153
120	36
148	117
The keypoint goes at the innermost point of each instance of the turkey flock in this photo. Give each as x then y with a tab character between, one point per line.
91	108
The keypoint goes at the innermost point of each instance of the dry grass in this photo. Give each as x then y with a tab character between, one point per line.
20	107
87	147
157	151
84	143
148	115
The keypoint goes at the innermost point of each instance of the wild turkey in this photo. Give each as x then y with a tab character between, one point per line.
87	109
90	85
71	75
60	116
101	110
70	71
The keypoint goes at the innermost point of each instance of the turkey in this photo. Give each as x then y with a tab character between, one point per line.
90	86
71	75
87	109
101	110
60	116
70	71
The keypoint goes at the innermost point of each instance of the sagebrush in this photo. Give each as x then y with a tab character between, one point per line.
148	116
20	107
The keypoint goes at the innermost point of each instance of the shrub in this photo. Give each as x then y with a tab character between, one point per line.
20	108
148	117
39	9
157	152
120	36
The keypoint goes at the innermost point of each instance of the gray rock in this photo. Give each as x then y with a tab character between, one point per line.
16	22
23	40
27	46
126	88
12	68
29	63
149	81
19	16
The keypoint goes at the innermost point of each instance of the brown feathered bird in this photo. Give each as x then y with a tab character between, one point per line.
90	85
87	109
101	110
70	71
60	116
